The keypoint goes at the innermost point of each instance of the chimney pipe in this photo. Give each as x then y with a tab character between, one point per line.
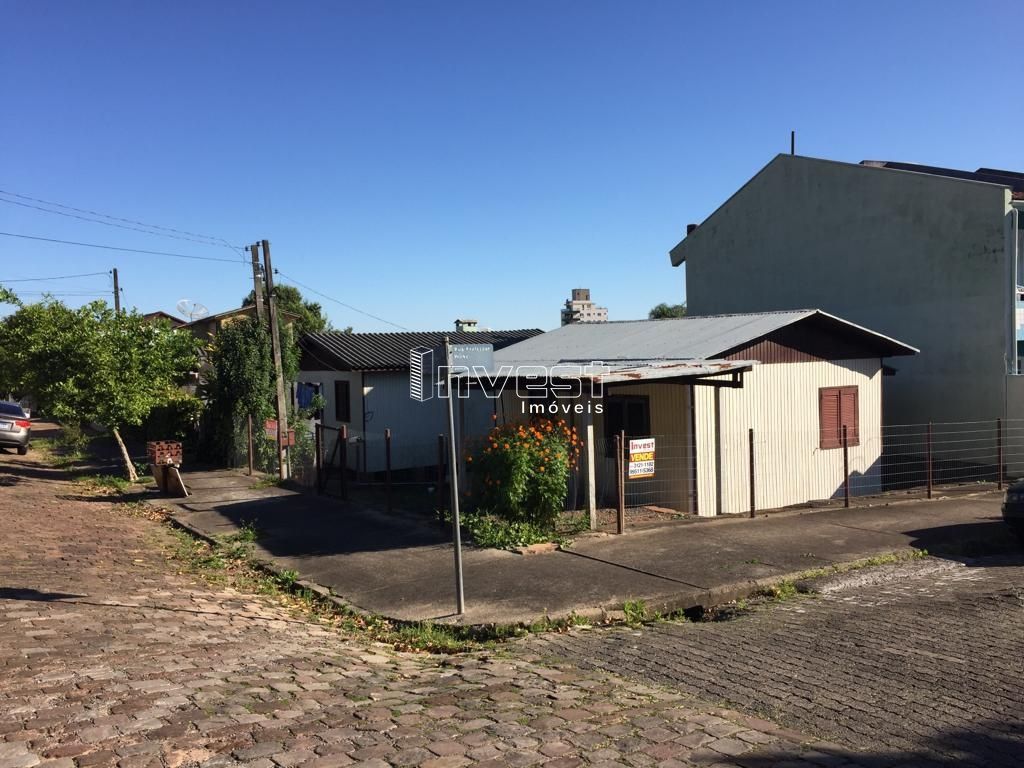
690	228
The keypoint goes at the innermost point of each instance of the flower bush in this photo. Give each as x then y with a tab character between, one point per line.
522	471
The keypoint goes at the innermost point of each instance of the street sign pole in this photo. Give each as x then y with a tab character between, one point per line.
453	464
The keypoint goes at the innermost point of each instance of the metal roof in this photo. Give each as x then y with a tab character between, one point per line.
693	338
335	350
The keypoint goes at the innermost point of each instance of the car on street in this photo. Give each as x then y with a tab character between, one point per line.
15	427
1013	508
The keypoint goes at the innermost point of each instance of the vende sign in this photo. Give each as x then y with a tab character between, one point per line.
641	458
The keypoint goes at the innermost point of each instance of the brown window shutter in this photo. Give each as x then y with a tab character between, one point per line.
828	417
849	415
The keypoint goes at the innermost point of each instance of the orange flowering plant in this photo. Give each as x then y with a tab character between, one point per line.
523	470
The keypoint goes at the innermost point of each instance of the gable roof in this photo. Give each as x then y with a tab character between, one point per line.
707	337
1011	180
339	351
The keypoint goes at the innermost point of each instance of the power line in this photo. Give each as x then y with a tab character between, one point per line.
55	277
178	234
336	301
123	250
63	293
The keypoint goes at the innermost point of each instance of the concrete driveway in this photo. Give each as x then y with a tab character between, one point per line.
401	565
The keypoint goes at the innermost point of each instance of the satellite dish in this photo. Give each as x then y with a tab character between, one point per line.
193	310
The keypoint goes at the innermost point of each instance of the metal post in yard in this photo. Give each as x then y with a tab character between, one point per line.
249	445
620	485
846	469
750	442
318	449
387	467
929	457
343	459
454	444
440	472
999	454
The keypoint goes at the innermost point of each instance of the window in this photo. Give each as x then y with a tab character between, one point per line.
837	407
628	413
342	406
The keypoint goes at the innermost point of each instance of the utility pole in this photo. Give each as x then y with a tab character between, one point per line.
257	283
275	344
117	294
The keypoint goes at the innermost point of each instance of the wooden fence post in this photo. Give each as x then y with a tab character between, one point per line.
620	483
387	467
999	454
750	442
249	444
846	469
318	452
440	473
343	441
929	452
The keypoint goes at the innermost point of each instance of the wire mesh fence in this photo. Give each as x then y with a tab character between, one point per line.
748	470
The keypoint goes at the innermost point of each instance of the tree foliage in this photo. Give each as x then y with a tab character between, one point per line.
239	382
310	316
663	311
93	365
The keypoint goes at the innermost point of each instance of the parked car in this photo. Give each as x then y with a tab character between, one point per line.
1013	508
15	427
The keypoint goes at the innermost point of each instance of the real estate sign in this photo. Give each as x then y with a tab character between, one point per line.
641	458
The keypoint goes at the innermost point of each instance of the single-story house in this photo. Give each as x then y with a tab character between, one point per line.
364	379
697	385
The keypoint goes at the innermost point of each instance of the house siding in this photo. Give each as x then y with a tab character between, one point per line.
780	403
918	257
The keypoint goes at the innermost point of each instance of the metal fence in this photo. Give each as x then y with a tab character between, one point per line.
748	471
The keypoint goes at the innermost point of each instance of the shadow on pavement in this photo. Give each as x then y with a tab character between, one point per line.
305	526
971	543
34	595
995	745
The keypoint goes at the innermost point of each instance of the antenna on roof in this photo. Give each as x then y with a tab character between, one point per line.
792	142
193	310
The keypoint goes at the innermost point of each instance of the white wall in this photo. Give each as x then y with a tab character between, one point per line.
780	402
917	257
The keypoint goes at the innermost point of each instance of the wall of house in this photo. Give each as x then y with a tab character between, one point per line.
669	408
781	404
326	381
917	257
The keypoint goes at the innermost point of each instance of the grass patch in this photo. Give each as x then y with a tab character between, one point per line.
267	481
790	588
106	485
492	532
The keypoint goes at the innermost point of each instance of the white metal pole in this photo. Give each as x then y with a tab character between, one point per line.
460	598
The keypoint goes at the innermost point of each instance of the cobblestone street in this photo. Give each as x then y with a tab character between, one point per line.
926	667
111	655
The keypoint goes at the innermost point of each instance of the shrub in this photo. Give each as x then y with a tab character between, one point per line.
523	470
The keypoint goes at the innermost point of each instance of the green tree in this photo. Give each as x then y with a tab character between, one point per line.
663	311
239	382
310	316
92	365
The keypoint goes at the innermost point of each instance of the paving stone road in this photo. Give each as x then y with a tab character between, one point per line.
109	655
926	667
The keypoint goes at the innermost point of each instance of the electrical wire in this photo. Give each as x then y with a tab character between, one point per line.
336	301
55	277
178	234
124	250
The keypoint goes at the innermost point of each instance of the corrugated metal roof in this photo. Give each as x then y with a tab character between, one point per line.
643	342
335	350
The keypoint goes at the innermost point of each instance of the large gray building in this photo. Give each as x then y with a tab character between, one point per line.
929	255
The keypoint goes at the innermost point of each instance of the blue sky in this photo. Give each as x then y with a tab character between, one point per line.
427	160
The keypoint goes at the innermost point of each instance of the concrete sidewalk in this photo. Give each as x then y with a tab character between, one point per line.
400	565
